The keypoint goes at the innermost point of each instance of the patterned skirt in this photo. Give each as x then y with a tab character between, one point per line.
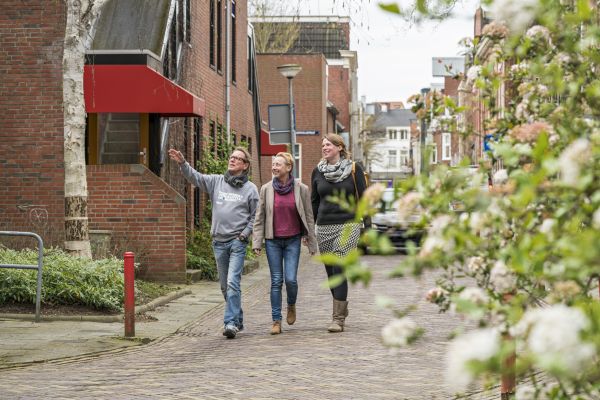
338	239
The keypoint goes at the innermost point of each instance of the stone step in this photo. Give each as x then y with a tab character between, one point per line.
115	126
121	147
121	136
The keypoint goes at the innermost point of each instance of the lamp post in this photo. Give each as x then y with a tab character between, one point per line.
289	71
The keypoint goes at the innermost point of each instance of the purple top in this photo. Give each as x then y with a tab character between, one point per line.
286	221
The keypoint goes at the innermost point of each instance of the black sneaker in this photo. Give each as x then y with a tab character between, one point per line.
230	331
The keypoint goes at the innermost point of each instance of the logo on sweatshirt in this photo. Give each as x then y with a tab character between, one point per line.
233	197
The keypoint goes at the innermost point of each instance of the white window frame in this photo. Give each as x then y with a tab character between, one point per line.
392	133
446	146
434	158
404	134
390	154
404	156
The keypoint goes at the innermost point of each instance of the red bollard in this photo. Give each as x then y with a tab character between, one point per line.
129	295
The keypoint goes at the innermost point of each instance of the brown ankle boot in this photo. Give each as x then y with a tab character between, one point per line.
276	328
291	314
340	312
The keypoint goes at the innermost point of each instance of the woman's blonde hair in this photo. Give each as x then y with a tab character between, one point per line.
289	160
337	140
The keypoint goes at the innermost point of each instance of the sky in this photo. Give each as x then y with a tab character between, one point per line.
394	58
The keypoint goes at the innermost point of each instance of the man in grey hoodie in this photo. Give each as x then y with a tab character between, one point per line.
234	199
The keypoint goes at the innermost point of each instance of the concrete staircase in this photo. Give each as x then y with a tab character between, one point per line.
121	139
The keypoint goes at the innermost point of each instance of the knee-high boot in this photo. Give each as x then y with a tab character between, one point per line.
340	312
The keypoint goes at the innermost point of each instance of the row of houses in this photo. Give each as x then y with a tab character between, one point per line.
393	136
158	74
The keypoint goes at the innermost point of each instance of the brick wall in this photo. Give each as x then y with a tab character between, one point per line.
144	214
339	93
200	78
309	98
31	118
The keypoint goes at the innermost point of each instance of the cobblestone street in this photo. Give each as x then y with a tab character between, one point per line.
305	362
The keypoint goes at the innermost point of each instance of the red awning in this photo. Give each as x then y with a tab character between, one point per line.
268	149
136	89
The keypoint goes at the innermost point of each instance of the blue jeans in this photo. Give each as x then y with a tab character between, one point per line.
230	264
283	255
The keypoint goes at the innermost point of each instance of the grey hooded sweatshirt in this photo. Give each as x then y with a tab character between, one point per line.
233	209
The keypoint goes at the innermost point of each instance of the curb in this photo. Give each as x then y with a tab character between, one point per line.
102	318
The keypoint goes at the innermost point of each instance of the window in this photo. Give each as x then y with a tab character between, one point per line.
392	134
212	127
433	149
392	159
404	134
188	21
219	35
233	42
250	64
446	146
404	156
212	35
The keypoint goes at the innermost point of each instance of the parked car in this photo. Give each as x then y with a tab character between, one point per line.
400	230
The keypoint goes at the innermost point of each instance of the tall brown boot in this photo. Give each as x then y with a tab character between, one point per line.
340	312
291	314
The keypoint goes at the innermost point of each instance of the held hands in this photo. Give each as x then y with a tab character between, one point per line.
176	156
257	251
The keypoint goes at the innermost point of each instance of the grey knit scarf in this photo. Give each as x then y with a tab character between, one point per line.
236	181
335	172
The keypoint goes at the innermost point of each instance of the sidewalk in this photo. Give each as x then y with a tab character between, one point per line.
24	341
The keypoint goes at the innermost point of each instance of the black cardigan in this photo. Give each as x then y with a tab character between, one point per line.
325	212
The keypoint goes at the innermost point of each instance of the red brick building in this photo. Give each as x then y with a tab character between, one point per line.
313	118
324	41
155	78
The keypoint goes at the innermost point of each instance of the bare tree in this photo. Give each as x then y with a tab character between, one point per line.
371	136
275	25
81	18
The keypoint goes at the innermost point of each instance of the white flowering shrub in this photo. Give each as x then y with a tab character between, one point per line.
530	247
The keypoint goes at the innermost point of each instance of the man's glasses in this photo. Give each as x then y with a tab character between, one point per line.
238	159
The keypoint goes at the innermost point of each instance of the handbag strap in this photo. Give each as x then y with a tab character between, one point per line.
354	179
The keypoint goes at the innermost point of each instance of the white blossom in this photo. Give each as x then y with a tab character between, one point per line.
477	222
500	177
502	279
438	224
547	226
475	264
572	159
517	14
552	335
521	67
479	345
435	293
538	31
474	295
473	73
399	332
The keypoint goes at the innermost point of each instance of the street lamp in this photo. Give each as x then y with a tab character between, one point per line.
289	71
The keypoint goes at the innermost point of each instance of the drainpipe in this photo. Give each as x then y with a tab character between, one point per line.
228	70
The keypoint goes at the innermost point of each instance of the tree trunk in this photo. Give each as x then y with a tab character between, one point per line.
81	16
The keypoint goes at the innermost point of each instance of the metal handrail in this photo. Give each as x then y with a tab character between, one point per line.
38	294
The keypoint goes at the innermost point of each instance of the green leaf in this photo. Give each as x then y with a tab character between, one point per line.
391	7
